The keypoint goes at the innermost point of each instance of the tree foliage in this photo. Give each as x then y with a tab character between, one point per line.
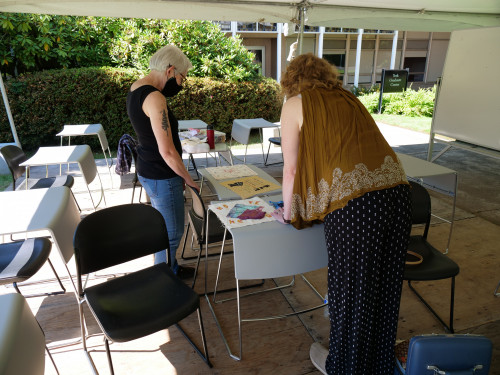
32	42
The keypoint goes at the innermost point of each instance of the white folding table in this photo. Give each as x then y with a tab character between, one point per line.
271	250
225	194
241	129
53	210
192	124
58	155
89	129
434	177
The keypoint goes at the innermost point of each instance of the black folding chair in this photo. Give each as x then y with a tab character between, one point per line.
139	303
435	265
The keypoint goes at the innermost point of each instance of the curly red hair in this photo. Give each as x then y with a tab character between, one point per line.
308	72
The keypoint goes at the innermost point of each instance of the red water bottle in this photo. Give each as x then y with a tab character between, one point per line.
210	136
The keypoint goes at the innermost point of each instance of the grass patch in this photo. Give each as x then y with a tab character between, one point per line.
419	124
254	139
5	180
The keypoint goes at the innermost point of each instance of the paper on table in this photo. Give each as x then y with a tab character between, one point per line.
231	171
222	210
247	187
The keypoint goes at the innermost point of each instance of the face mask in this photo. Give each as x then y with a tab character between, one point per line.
171	88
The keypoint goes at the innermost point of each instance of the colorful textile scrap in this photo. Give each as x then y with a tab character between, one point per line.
241	213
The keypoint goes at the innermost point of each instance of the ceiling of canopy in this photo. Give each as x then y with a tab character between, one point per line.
410	15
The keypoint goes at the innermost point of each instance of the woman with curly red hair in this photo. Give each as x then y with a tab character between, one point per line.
339	169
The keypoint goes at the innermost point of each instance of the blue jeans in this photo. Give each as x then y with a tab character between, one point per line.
168	198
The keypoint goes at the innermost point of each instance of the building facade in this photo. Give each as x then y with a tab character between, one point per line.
360	55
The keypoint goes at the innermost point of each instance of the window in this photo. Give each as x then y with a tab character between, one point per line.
365	44
246	26
337	59
417	44
267	26
334	43
224	25
417	68
387	44
260	57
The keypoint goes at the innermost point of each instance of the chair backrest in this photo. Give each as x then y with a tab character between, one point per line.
454	354
118	234
421	206
14	156
22	342
197	212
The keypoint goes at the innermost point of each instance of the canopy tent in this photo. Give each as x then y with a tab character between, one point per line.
403	15
410	15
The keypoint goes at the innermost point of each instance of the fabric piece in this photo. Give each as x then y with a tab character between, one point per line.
231	171
223	209
366	241
247	187
342	155
126	153
194	147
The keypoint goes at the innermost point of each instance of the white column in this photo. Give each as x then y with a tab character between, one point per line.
358	57
320	41
234	28
394	49
278	52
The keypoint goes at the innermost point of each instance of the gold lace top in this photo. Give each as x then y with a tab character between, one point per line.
342	155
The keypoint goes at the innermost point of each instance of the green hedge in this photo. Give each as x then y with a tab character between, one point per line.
41	103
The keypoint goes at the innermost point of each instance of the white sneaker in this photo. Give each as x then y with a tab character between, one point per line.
318	356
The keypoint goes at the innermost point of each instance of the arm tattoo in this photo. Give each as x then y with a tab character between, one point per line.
165	124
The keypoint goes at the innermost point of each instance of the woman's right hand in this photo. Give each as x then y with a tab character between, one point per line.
192	184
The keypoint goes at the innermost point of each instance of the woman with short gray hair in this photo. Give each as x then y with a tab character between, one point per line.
159	164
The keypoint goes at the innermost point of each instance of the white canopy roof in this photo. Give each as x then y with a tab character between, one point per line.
411	15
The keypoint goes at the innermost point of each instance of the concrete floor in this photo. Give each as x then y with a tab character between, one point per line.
281	346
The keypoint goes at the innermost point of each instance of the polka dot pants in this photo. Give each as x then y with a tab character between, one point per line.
367	242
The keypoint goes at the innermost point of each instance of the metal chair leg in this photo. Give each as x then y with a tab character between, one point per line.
108	354
44	294
448	328
204	355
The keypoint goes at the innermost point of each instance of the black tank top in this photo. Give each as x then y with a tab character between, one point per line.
150	163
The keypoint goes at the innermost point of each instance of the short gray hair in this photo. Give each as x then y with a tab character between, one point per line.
168	56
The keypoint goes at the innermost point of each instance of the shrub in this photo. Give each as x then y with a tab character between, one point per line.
412	103
41	103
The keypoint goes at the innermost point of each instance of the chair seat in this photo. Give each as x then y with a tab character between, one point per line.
20	260
49	182
435	265
275	141
141	303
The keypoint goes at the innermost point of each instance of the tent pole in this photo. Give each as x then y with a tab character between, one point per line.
9	114
302	12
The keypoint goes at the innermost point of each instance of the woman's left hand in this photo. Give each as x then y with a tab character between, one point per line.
278	215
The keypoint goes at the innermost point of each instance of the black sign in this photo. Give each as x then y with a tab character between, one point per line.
394	80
